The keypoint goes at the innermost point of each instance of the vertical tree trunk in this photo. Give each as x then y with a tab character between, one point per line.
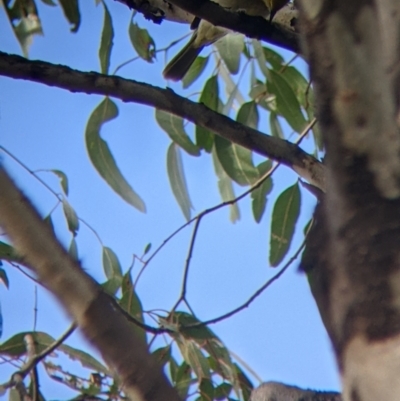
353	50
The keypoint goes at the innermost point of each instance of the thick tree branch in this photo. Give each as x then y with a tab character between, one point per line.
102	324
281	34
165	99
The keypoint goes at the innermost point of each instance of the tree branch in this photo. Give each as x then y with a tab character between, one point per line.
165	99
102	324
253	27
281	33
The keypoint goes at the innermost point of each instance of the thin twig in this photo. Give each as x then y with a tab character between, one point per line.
253	297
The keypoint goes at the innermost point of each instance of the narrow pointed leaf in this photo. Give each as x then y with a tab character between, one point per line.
276	129
209	97
142	42
195	71
177	180
230	48
259	195
72	13
102	158
174	127
63	180
236	161
4	278
284	217
111	265
73	249
71	217
225	188
106	44
132	304
287	104
248	115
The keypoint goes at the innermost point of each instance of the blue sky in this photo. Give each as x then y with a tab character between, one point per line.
280	335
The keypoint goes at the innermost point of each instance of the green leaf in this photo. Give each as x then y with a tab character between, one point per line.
142	42
245	384
206	390
260	57
147	249
49	2
287	104
298	83
73	249
102	158
112	270
194	357
236	160
177	180
84	358
284	217
275	125
183	380
7	252
4	278
162	355
230	48
111	265
25	31
194	71
63	180
222	391
259	195
106	44
131	303
71	12
273	58
71	217
174	127
248	115
209	97
225	188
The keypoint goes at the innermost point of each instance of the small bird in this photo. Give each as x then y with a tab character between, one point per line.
207	33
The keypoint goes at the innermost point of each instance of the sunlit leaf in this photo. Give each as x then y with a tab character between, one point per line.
177	180
260	57
287	104
209	97
194	357
102	158
111	265
142	42
230	48
72	13
71	217
106	44
225	188
284	217
174	127
194	71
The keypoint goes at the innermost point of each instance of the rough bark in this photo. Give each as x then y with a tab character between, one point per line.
282	33
165	99
353	50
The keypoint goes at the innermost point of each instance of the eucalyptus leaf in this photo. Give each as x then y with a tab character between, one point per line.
284	217
177	180
106	43
230	48
102	158
194	71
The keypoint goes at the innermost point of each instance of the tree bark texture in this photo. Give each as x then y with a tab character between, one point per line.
354	253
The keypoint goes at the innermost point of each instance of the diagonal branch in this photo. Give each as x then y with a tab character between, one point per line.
64	77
